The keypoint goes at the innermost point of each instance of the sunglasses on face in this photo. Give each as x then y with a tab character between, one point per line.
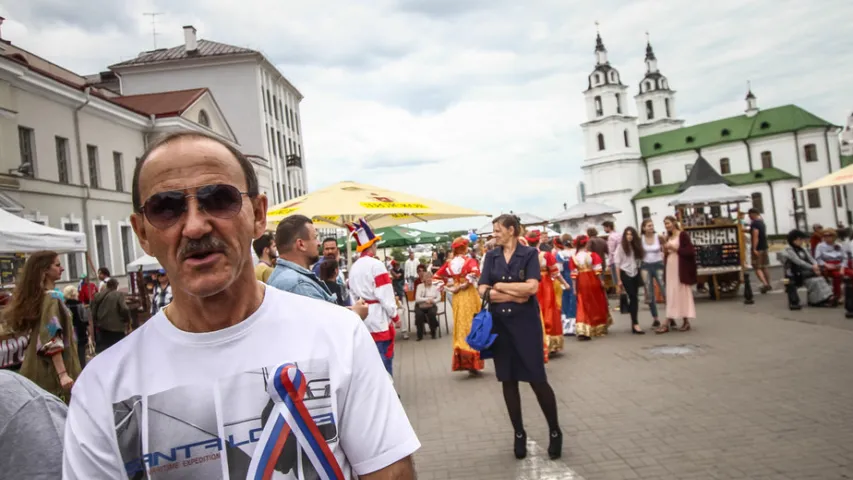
164	209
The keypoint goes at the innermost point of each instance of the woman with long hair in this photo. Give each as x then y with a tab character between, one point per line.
460	275
50	360
569	305
626	265
510	281
593	317
651	267
680	276
550	311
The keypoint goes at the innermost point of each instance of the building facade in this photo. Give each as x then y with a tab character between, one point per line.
68	151
261	105
637	164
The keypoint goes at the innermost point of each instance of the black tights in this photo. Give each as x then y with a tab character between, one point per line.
545	396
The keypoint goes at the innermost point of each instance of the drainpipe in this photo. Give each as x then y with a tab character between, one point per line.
773	203
748	155
800	180
634	208
829	166
646	164
83	182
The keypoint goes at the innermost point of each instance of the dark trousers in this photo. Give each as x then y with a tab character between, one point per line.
107	339
426	315
632	286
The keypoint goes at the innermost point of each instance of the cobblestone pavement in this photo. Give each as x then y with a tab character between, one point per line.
765	394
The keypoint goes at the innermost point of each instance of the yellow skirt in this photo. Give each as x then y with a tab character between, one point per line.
466	304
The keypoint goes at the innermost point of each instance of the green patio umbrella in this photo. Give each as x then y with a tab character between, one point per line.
402	237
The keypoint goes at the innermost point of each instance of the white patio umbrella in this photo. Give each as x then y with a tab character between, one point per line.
585	210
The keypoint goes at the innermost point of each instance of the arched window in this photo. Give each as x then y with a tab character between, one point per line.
625	134
656	177
618	103
663	83
613	77
766	159
600	141
725	167
597	79
811	152
666	107
203	119
757	202
599	110
646	213
650	110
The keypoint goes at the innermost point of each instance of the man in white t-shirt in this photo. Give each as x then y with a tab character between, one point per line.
233	379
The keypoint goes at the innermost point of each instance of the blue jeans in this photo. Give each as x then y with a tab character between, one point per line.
383	350
653	271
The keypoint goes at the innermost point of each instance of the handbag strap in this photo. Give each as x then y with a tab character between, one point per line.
487	302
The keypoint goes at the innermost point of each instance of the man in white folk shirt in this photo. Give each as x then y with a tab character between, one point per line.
371	282
233	378
411	270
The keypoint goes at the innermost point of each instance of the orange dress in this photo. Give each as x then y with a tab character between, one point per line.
463	271
548	306
593	315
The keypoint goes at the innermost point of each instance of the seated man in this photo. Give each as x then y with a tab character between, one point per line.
427	297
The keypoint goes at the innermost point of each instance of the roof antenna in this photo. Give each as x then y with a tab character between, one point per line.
153	16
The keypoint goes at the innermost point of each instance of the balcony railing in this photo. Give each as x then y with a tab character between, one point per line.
294	160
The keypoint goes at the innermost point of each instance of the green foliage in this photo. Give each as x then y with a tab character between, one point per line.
399	254
424	260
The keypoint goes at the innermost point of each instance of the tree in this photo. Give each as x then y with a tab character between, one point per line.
399	254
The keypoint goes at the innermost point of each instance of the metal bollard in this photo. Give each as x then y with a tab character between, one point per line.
848	296
793	296
747	290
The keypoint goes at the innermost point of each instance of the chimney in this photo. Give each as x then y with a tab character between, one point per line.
190	42
1	23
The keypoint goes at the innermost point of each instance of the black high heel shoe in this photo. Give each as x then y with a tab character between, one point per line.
637	332
520	447
555	444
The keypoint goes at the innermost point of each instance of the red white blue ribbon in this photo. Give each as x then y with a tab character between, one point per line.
290	415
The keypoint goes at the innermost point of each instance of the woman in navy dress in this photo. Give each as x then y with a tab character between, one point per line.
510	276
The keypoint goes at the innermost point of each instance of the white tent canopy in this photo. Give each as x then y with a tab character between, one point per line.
585	210
527	220
709	194
18	235
147	262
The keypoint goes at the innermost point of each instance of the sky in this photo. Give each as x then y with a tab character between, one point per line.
474	102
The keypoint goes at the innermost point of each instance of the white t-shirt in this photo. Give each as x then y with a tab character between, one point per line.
195	405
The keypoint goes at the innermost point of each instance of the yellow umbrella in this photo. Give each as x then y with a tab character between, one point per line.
840	177
346	202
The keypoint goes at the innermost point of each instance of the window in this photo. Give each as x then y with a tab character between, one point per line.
290	145
650	110
275	106
689	139
203	119
838	200
646	213
296	122
269	102
688	169
625	134
597	79
725	167
291	117
766	160
764	125
657	146
278	139
813	197
663	85
716	211
119	171
287	115
27	139
62	155
811	152
299	150
599	111
666	107
613	77
102	243
72	262
648	86
618	103
725	132
600	141
757	202
127	244
656	177
92	155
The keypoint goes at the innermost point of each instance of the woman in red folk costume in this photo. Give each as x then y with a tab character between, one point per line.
548	307
460	275
593	316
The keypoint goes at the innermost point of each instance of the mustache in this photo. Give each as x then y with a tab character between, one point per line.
204	244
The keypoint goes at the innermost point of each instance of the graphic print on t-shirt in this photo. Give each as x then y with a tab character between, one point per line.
212	431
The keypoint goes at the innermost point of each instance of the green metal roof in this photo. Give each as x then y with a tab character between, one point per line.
758	176
788	118
846	160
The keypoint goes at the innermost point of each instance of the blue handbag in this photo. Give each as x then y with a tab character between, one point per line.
481	336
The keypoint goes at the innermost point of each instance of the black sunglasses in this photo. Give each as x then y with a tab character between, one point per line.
164	209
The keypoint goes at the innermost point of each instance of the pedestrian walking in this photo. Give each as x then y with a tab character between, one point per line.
680	276
626	265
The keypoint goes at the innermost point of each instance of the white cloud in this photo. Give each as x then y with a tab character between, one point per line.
477	102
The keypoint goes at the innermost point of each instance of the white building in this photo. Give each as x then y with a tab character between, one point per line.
261	105
68	150
637	165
